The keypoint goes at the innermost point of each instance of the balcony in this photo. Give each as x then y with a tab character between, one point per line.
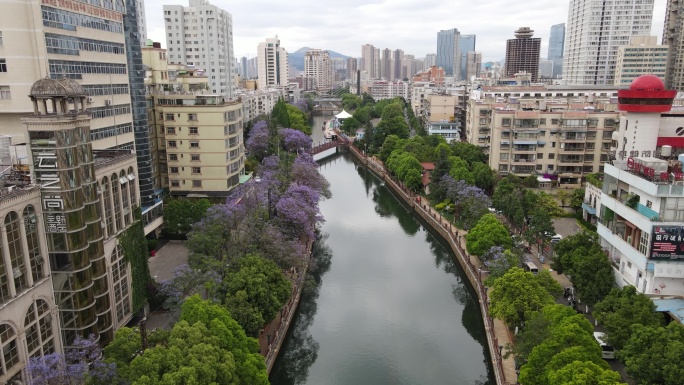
524	160
524	148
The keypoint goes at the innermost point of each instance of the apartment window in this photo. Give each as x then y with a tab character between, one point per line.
552	156
192	117
197	170
173	157
5	93
173	170
175	183
196	183
107	111
171	130
76	69
539	167
503	156
194	144
643	242
195	157
57	18
503	167
194	131
506	122
3	65
169	117
171	143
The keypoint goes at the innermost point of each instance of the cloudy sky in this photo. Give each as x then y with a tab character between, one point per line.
412	25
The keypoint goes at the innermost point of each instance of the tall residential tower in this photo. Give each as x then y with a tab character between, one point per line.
556	44
201	35
273	68
674	38
522	53
593	33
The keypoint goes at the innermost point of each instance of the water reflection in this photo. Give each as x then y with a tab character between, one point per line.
292	366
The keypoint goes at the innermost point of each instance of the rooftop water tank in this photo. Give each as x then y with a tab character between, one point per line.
681	158
666	151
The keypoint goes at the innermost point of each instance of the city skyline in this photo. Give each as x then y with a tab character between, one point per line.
411	26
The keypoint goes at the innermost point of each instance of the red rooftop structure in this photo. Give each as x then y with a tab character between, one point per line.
647	93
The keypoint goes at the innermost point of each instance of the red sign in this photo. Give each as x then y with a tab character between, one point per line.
640	168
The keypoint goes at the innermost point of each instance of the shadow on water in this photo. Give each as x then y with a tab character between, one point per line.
300	350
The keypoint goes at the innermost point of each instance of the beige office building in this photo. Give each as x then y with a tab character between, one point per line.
563	133
642	56
68	39
198	135
318	67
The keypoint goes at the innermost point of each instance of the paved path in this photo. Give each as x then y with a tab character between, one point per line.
168	258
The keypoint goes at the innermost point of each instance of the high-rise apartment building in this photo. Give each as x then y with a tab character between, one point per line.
273	65
643	55
545	69
556	44
522	53
242	68
397	57
594	31
201	35
673	37
448	54
140	16
368	57
318	68
409	66
97	44
430	60
466	44
473	65
387	66
351	68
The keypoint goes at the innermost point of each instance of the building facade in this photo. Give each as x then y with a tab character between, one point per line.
201	35
556	46
522	53
473	65
369	60
273	64
594	31
559	132
448	54
466	43
673	37
318	67
198	135
642	56
440	116
433	75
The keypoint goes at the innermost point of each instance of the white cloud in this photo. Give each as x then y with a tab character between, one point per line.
410	25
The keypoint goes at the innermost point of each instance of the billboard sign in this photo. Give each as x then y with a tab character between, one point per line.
667	242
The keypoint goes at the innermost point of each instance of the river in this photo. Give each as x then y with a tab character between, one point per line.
389	305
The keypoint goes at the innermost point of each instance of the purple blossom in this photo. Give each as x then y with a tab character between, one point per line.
303	105
81	362
295	140
305	173
498	261
297	210
257	143
470	202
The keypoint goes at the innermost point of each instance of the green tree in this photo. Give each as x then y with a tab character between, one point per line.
298	119
581	241
460	170
181	214
247	315
350	125
531	181
516	294
584	372
621	309
577	198
653	355
591	274
266	286
542	360
392	111
483	176
414	180
468	152
390	144
280	116
540	229
488	232
564	196
545	202
363	114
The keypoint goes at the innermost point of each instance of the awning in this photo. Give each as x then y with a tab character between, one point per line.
505	142
589	209
524	142
343	115
670	141
541	142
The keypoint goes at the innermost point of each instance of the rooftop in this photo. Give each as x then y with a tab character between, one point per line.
103	158
672	306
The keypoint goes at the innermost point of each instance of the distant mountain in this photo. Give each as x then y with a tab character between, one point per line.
296	58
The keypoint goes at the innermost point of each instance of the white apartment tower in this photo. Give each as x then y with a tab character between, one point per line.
643	55
142	23
201	35
273	66
595	29
318	67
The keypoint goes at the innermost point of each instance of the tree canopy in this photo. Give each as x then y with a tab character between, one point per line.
515	294
623	308
653	355
488	232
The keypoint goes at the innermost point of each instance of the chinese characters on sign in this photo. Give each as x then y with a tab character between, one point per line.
633	164
47	175
667	242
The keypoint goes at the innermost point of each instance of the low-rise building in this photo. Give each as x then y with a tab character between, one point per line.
642	56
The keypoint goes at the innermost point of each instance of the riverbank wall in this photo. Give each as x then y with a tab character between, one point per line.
498	334
277	329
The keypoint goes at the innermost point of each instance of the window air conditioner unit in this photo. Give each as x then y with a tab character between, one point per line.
108	102
89	100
